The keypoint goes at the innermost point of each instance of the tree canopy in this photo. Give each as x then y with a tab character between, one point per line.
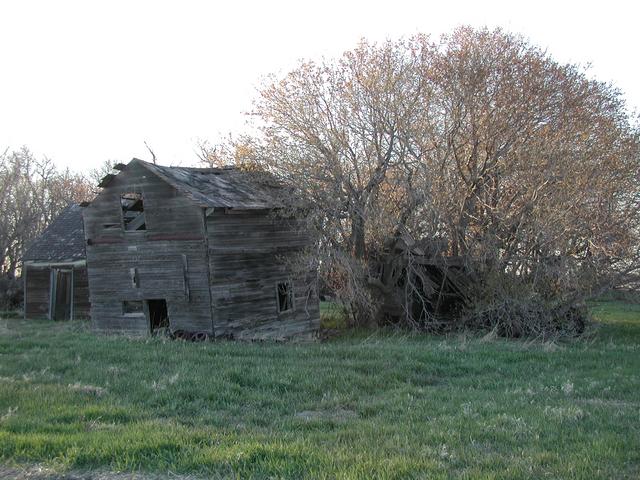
478	146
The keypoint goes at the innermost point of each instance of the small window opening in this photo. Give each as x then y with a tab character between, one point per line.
158	315
285	296
132	308
133	212
135	278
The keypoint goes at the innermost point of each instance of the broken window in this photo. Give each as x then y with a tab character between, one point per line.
284	292
132	212
135	278
132	308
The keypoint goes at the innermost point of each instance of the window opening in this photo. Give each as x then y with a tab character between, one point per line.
132	308
285	296
133	212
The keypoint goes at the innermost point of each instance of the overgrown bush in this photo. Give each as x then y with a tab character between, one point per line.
11	293
515	318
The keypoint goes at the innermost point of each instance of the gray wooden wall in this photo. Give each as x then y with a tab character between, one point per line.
248	255
81	305
175	227
236	259
38	286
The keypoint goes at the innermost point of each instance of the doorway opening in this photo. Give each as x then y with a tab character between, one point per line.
61	294
158	314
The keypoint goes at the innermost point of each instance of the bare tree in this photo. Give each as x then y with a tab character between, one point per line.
478	149
533	177
337	131
32	193
98	173
153	155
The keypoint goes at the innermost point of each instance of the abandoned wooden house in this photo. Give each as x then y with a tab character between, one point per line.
196	250
54	270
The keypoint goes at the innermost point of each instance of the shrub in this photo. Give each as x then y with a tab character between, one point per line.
11	293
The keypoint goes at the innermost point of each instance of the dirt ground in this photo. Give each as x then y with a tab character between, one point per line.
39	472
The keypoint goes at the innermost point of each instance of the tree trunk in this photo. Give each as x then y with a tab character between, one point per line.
357	236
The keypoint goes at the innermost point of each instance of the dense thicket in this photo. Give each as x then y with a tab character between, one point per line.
479	148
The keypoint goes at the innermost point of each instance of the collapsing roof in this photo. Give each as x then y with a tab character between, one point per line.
61	241
225	187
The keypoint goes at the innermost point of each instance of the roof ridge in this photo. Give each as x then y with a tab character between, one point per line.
217	187
223	168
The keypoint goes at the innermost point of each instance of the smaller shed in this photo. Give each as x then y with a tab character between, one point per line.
55	270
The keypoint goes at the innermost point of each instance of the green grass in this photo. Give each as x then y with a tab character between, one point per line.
333	316
362	406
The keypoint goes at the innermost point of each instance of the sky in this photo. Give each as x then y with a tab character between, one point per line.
87	81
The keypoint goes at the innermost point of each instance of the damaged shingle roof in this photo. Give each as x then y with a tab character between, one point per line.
62	240
220	187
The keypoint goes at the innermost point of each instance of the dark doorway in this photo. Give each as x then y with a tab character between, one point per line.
61	294
158	315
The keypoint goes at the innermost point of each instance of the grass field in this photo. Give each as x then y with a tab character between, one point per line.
362	406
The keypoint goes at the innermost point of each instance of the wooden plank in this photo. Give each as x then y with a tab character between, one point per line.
185	277
71	295
37	292
205	213
52	292
247	258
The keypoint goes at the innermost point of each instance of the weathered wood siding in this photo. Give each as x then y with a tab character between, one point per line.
175	227
248	254
81	305
38	289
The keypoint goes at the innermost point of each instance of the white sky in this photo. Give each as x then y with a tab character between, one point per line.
87	81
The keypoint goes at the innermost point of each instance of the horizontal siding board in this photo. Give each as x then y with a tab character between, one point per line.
81	305
248	255
37	292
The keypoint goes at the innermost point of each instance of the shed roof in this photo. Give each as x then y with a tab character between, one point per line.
225	187
62	240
